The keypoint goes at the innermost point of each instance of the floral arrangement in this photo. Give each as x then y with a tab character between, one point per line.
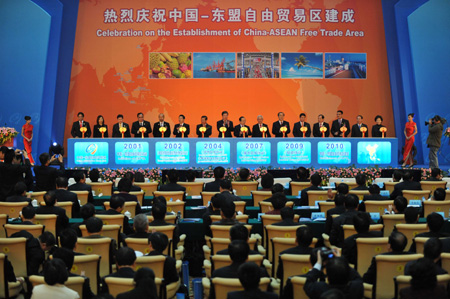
6	134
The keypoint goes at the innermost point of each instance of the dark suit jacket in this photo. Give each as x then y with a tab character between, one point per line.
176	231
226	222
337	233
98	134
257	133
336	128
225	252
314	288
304	194
136	126
46	177
62	221
170	271
238	133
438	292
116	133
371	275
349	250
408	185
361	188
376	131
375	197
229	126
230	196
293	250
157	133
125	272
286	222
178	134
356	131
34	254
62	195
10	175
207	133
83	187
296	131
338	210
438	268
251	294
207	220
316	130
137	292
427	235
433	179
75	132
171	187
130	197
212	186
126	227
276	128
139	235
18	198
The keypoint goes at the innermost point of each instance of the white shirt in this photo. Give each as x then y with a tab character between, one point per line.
56	291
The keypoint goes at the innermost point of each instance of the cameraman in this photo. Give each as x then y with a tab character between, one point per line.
435	130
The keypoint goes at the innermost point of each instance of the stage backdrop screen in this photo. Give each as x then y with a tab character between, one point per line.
247	57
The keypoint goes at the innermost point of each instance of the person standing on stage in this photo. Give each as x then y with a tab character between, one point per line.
27	134
237	129
100	124
410	131
120	124
139	124
320	124
204	124
302	123
356	129
276	126
75	132
256	131
224	122
338	124
161	123
377	126
181	124
435	129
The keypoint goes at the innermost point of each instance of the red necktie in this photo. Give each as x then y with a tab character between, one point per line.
81	124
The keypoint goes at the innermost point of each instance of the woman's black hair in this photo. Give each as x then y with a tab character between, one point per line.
378	116
27	117
98	117
55	272
411	114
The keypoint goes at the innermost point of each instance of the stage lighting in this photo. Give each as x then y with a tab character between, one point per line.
56	149
55	144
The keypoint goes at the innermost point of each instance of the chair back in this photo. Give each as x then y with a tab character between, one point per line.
274	231
445	259
118	285
314	196
433	185
267	206
47	220
349	229
73	283
139	195
168	231
281	244
3	220
39	195
390	221
296	187
416	194
223	231
149	187
67	206
138	244
111	231
294	264
206	197
240	218
129	206
174	195
111	219
156	263
359	193
240	206
324	206
259	196
219	244
12	209
244	188
389	186
36	229
223	286
167	218
82	196
192	188
420	243
388	267
411	230
99	246
404	281
297	287
89	266
220	260
367	248
431	206
377	206
15	248
104	188
271	219
176	206
5	286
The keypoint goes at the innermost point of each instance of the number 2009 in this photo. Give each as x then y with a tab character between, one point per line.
294	146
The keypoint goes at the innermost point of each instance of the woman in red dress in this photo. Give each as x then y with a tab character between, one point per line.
27	134
410	131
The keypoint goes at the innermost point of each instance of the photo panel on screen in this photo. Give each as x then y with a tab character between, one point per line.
173	65
302	65
345	65
258	65
215	65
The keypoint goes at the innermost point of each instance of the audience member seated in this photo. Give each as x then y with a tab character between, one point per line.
397	176
435	223
94	175
190	175
68	240
432	250
124	187
126	262
172	177
361	181
407	184
28	215
250	275
20	191
351	206
161	199
158	243
411	215
244	174
238	232
396	246
213	209
87	211
361	221
226	191
287	217
278	202
45	175
219	174
439	194
116	206
34	254
227	211
337	210
159	213
302	175
374	193
303	240
276	188
48	243
55	275
129	175
423	282
62	195
139	177
12	172
80	185
267	182
145	287
399	206
316	180
94	228
62	221
436	175
140	224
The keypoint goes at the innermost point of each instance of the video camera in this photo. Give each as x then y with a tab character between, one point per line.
435	119
326	253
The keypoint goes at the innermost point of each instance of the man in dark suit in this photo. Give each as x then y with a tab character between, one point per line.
287	217
69	239
120	124
219	173
227	211
250	275
237	129
435	223
432	250
316	180
63	195
181	124
302	123
161	123
159	211
256	130
86	211
80	185
116	204
213	209
61	221
374	193
20	190
75	132
356	128
407	184
338	124
12	172
226	192
436	175
124	188
238	232
338	209
46	175
204	124
126	262
158	243
337	234
94	227
224	122
172	177
361	181
140	225
141	123
321	123
280	123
